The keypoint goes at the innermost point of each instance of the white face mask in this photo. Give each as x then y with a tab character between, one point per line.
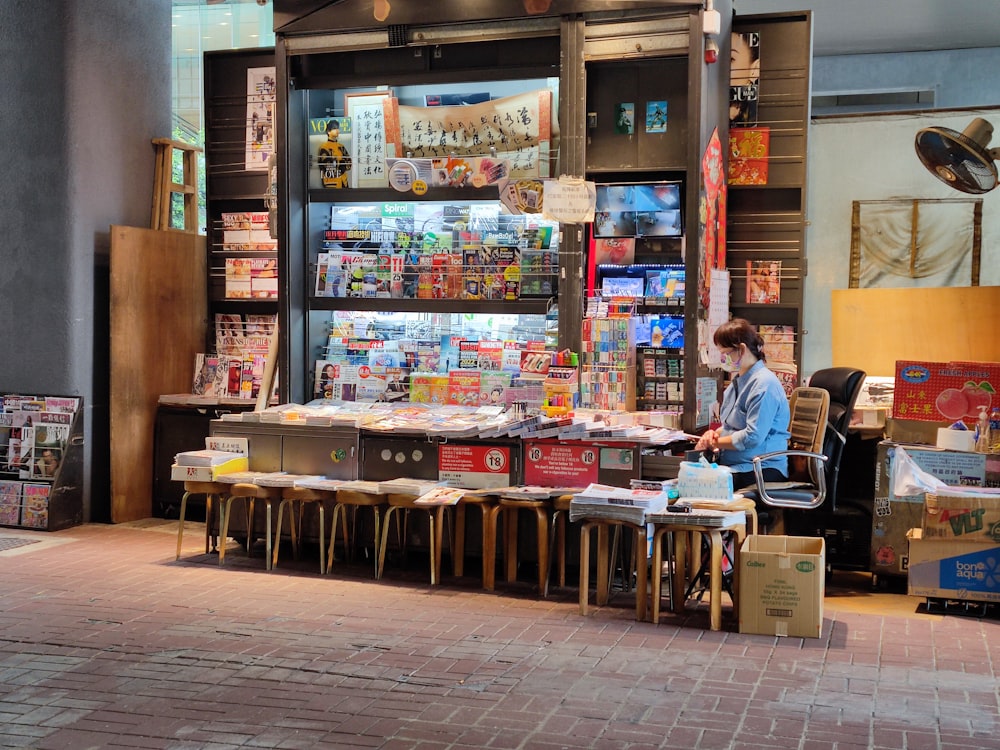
731	365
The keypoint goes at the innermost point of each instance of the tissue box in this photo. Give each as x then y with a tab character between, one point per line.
704	480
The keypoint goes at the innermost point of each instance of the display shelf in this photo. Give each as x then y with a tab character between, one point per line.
41	462
767	222
590	61
523	306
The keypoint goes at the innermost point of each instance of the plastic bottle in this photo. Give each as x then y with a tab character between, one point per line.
983	441
995	430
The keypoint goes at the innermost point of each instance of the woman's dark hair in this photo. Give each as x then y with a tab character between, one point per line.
739	331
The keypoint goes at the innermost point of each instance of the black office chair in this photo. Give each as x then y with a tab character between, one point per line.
813	473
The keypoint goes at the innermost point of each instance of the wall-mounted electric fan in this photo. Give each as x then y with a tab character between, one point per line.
960	160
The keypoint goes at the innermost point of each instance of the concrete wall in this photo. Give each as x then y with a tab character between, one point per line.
88	87
960	78
871	157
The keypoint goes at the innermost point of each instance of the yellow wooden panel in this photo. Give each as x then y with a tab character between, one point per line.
158	323
872	328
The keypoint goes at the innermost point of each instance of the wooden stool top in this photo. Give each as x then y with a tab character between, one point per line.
307	494
354	497
248	489
207	488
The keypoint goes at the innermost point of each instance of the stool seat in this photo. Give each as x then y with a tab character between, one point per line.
248	492
303	495
210	490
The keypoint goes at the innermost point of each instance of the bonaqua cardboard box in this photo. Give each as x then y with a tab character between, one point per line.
782	582
947	569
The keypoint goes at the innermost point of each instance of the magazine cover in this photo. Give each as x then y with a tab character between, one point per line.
763	282
10	503
744	79
35	510
779	342
260	118
749	152
330	147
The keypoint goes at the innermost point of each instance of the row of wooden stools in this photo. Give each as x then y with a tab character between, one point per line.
498	513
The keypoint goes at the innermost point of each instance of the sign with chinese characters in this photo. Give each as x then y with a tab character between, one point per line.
519	129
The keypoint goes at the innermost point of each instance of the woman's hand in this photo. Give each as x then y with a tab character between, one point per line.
708	439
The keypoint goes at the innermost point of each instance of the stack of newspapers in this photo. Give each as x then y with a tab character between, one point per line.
607	503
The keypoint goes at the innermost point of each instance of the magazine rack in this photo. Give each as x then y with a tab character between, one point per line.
30	496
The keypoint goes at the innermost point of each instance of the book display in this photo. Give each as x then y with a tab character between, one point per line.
240	95
40	461
769	115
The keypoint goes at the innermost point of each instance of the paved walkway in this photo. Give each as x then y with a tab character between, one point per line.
107	642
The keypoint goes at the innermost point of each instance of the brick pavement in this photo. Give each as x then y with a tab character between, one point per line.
107	642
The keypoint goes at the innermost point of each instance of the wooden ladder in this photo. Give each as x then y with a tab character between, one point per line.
164	186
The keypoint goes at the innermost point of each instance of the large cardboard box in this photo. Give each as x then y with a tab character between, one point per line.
782	584
962	517
894	515
944	391
943	569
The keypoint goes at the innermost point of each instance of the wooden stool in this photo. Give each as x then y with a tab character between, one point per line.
488	507
248	492
164	186
557	538
211	491
603	592
302	495
681	533
355	499
510	507
436	518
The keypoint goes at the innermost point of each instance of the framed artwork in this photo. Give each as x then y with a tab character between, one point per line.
372	144
918	242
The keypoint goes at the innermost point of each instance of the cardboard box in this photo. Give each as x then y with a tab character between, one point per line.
912	431
944	391
207	473
942	569
961	517
894	515
782	584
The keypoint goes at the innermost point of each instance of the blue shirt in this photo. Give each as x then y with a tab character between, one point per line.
755	414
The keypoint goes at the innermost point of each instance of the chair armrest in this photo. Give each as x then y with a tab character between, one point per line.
809	496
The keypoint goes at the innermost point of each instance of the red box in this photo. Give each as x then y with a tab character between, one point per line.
945	391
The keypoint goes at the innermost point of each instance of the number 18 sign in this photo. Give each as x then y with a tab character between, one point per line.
474	466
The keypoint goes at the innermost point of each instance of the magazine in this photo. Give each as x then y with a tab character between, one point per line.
763	282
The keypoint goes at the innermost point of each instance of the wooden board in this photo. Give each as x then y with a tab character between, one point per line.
872	328
158	318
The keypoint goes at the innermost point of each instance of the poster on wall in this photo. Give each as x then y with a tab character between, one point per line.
260	118
712	214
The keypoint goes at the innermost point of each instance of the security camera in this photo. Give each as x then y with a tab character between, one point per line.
262	2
